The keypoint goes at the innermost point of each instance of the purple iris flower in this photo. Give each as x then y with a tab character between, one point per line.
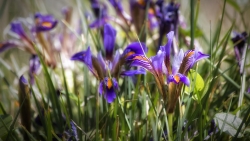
44	22
17	29
108	69
176	74
35	67
175	71
182	62
108	87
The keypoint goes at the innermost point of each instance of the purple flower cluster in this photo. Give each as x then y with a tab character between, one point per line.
22	40
108	69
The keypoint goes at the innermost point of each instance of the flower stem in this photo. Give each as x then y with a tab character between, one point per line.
97	117
170	126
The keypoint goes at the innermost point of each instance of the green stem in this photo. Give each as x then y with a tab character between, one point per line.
192	24
97	117
170	126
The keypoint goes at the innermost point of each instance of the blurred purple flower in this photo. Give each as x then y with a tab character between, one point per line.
101	14
138	10
168	16
35	67
239	41
17	28
44	22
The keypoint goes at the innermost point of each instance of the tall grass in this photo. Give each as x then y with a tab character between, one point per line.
62	109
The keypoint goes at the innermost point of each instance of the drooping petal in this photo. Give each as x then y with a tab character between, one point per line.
199	55
6	45
44	22
86	58
184	79
135	48
133	72
190	58
109	40
110	86
177	78
110	95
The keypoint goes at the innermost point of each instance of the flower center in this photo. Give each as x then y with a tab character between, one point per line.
141	2
109	83
47	24
140	58
190	53
177	78
130	53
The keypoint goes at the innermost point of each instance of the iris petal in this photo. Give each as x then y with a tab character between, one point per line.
6	45
17	28
108	87
101	85
157	61
110	95
170	37
86	58
184	79
135	48
141	61
177	78
177	61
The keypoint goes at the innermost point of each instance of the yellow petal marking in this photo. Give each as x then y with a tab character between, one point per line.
109	83
177	78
